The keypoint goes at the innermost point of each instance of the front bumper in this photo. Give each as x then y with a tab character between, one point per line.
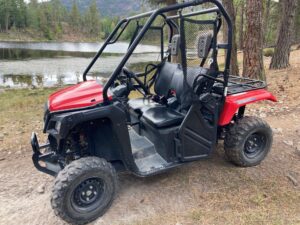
37	157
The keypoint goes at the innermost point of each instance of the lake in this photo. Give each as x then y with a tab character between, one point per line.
44	64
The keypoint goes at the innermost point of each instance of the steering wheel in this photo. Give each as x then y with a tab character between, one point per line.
140	87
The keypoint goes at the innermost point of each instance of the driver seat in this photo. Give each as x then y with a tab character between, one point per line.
157	114
169	84
162	83
162	88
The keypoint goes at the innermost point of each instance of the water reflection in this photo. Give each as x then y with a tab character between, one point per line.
55	64
26	54
22	81
120	47
69	70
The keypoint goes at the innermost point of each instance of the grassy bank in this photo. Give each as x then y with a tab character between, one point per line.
21	112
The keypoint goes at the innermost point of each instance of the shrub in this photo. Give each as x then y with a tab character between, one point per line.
269	52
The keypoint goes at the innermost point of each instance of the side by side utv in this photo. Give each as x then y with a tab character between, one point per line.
188	100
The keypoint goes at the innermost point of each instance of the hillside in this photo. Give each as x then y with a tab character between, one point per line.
110	8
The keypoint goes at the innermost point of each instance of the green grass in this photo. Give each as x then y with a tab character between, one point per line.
23	106
23	99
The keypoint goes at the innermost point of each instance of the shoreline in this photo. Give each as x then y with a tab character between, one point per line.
49	41
28	36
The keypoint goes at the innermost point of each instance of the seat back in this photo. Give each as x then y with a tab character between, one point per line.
170	76
164	78
170	80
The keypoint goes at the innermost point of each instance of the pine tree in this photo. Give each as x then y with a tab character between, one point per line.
75	17
267	19
6	10
297	25
165	2
253	44
281	55
19	15
241	24
92	19
32	14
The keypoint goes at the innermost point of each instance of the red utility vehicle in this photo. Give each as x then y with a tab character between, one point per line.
188	102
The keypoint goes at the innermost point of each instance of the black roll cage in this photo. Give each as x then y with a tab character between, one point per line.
153	15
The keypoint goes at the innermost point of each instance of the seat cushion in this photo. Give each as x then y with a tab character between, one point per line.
140	105
161	117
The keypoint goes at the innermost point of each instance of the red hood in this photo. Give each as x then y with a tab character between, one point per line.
82	95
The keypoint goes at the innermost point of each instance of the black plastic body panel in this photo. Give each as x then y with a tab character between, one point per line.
163	139
197	134
108	132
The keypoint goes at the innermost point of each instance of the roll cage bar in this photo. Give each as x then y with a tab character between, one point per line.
153	15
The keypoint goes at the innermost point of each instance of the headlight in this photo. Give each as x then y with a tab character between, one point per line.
58	126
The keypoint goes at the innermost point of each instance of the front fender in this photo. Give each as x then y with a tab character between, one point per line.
234	102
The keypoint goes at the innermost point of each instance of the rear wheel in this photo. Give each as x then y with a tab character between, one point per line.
84	190
248	141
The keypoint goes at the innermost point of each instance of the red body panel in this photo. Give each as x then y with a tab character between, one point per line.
234	102
82	95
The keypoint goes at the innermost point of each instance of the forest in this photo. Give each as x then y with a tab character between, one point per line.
50	20
53	18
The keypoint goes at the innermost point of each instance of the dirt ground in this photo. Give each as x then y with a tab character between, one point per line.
212	191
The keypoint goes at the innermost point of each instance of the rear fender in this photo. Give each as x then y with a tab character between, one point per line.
234	102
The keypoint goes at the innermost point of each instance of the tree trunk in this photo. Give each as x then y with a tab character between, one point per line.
253	51
7	16
241	27
234	67
165	2
171	2
297	24
266	20
281	55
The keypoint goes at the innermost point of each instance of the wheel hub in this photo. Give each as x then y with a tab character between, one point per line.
88	192
254	145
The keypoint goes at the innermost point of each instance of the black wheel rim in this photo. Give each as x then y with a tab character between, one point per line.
87	195
255	145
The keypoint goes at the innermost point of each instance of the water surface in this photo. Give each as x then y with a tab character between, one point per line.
25	64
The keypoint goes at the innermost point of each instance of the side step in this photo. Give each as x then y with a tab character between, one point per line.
145	156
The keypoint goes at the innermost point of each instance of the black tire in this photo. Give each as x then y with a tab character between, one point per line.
84	190
248	141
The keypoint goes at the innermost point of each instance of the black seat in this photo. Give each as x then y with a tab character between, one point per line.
140	105
161	87
169	84
170	79
162	117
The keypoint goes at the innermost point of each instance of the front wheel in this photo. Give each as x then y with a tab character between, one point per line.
84	190
248	141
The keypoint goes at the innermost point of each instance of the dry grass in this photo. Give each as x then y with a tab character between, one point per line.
21	112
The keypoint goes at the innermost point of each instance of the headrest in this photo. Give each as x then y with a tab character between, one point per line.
175	45
203	44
